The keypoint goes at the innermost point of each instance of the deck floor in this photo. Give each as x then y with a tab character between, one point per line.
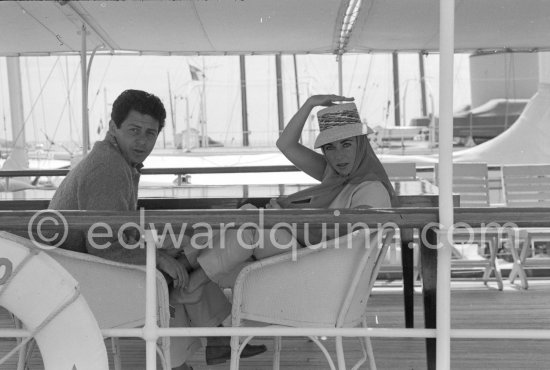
473	306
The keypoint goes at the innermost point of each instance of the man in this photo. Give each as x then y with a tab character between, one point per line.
107	179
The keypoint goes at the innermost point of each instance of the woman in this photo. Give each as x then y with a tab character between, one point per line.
350	173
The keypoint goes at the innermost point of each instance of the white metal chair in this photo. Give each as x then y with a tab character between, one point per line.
527	186
326	285
115	293
471	181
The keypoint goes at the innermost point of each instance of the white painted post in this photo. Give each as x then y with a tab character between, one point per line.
16	102
446	49
150	330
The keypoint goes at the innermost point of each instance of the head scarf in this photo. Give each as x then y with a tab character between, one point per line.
367	167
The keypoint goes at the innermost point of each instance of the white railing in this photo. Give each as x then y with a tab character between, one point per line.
151	331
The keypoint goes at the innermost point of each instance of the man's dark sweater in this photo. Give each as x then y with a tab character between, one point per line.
103	180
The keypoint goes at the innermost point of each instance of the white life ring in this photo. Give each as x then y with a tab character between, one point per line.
33	286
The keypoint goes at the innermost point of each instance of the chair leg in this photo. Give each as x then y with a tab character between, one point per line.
340	354
234	353
493	244
22	361
370	353
325	352
363	359
277	353
368	349
490	264
164	355
417	266
115	348
517	268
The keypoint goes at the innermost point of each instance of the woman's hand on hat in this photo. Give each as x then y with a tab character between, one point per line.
327	100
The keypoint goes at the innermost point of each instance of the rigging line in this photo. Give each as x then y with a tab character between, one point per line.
389	92
68	94
16	138
29	91
371	57
101	82
227	127
41	97
203	29
352	75
65	104
57	36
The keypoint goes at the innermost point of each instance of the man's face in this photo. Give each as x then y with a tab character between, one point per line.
136	136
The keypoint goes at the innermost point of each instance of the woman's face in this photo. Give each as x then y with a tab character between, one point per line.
341	155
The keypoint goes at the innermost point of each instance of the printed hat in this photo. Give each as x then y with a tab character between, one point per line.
339	122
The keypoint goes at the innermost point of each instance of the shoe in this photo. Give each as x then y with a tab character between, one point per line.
220	354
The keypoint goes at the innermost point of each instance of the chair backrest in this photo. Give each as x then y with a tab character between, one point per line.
526	185
354	305
400	170
471	181
324	285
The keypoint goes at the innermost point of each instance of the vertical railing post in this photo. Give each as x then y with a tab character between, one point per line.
150	330
446	210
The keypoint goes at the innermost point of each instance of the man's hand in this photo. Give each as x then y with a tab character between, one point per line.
173	268
173	250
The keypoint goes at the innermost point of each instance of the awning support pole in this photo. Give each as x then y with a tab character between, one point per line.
15	90
446	49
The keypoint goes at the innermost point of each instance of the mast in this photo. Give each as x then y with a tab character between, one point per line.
396	94
244	108
107	117
422	84
171	113
280	108
296	82
84	74
339	60
204	133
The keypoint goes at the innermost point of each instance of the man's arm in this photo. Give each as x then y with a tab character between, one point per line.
106	189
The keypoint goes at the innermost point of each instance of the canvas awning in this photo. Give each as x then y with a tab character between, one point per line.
266	26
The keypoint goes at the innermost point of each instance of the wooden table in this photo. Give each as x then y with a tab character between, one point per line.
411	193
418	193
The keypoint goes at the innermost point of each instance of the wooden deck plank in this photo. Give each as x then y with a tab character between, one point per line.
473	306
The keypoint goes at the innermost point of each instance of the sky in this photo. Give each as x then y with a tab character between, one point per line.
52	92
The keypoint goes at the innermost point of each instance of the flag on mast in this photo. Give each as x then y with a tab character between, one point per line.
196	73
